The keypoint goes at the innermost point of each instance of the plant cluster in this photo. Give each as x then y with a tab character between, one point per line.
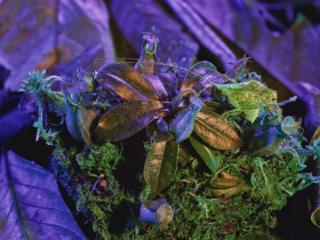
220	155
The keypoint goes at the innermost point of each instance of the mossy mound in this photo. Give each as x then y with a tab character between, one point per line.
113	212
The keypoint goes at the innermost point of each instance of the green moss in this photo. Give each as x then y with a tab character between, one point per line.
94	202
100	159
199	215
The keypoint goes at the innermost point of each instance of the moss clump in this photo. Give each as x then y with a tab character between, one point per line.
100	159
95	190
199	215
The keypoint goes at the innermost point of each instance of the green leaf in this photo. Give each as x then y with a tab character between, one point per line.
211	157
315	217
248	97
217	133
161	164
126	119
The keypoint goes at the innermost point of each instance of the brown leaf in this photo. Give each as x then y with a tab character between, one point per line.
119	86
40	34
228	192
226	185
126	119
127	82
211	128
161	164
85	117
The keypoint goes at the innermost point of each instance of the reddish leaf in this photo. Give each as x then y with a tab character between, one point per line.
127	119
127	82
211	128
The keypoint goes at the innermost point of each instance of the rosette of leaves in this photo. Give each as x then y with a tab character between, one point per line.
174	111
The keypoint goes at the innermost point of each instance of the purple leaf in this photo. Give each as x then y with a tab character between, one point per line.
183	123
148	214
196	73
12	123
135	17
157	86
202	31
162	126
31	205
236	69
289	57
170	82
41	34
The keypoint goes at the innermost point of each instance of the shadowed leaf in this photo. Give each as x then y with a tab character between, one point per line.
127	119
315	135
72	119
158	86
85	117
184	157
210	157
217	133
199	28
161	164
31	205
127	82
278	54
47	32
196	73
237	68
